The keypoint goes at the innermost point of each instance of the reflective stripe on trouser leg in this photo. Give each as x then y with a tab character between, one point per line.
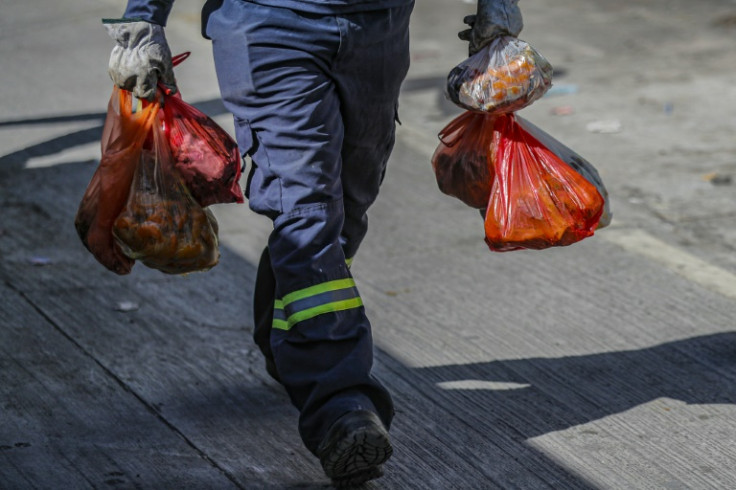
332	296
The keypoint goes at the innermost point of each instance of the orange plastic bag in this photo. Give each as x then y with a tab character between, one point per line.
537	200
162	225
461	162
123	137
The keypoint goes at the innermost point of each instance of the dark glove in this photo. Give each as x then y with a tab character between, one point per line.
494	18
141	58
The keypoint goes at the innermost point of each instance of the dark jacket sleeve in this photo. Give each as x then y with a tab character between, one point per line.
153	11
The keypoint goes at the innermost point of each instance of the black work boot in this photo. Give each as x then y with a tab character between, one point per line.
354	449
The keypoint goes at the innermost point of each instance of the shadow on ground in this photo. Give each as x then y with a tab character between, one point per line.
190	396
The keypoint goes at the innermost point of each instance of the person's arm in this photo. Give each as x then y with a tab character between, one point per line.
152	11
141	57
494	18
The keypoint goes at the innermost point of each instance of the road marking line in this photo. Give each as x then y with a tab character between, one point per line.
479	384
674	259
79	153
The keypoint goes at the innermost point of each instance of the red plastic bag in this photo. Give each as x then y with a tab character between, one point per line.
537	200
161	224
535	192
123	137
206	156
572	158
503	77
461	162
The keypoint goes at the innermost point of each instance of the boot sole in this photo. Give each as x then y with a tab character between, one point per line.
357	457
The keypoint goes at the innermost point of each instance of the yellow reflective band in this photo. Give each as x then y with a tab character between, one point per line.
318	289
317	310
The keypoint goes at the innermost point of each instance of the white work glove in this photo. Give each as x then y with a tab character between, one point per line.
141	58
494	18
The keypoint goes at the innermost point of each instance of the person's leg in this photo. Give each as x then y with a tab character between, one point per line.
372	63
274	68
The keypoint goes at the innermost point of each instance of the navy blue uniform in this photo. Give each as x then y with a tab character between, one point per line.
157	11
313	87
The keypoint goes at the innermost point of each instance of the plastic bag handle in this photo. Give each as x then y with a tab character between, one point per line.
174	62
180	57
453	128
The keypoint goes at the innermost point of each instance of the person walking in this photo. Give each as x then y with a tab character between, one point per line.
313	86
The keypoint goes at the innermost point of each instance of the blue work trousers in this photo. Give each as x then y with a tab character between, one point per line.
314	98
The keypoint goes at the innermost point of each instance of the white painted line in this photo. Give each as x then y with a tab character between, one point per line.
674	259
80	153
478	384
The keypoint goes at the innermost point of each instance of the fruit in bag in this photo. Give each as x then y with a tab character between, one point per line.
461	161
503	77
162	225
537	200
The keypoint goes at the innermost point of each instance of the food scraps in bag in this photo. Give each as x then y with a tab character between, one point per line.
503	77
535	192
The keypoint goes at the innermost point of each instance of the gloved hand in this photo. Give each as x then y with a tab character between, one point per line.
494	18
141	58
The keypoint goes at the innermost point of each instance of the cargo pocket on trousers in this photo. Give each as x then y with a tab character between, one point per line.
246	144
207	9
390	144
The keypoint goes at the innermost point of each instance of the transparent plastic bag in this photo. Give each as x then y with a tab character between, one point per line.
537	199
503	77
162	225
461	162
123	137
